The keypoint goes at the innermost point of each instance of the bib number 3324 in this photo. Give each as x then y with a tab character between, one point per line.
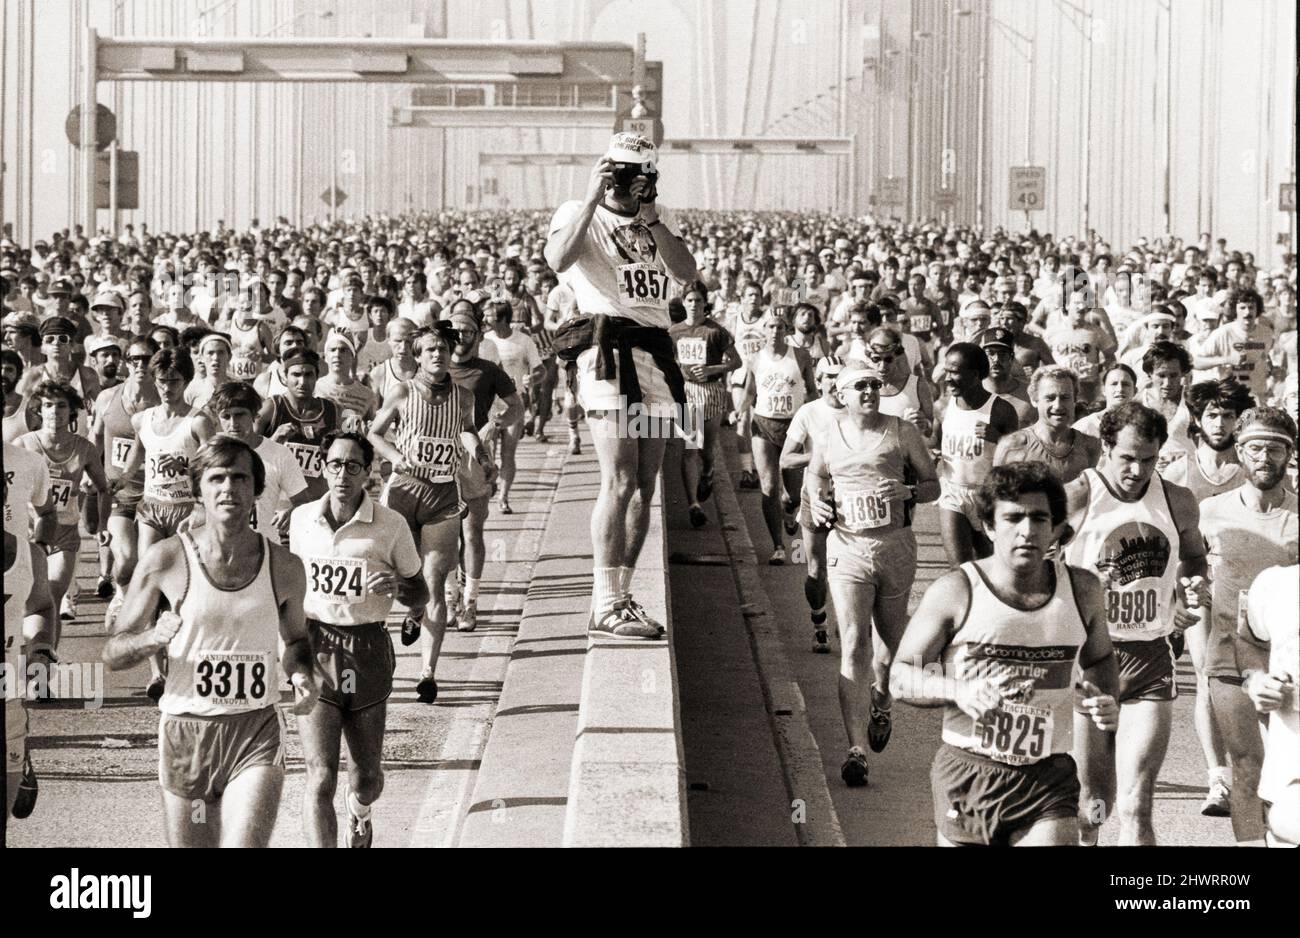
642	285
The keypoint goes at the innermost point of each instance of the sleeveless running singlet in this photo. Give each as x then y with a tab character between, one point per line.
223	658
855	472
308	430
119	435
429	435
1034	651
65	481
966	459
1133	547
167	479
907	398
778	385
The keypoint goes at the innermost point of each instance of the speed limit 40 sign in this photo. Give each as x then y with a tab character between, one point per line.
1027	186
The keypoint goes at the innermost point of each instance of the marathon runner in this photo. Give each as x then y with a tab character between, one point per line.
909	394
233	598
356	403
747	330
812	423
487	383
1139	534
357	556
1051	439
519	358
288	341
969	422
867	457
1006	379
1269	680
1247	530
1118	386
780	379
17	418
433	421
706	354
298	418
996	643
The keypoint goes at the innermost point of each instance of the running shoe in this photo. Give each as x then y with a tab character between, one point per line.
467	618
360	831
778	557
154	690
878	730
1218	803
704	488
410	630
854	769
575	446
698	518
505	506
542	437
104	589
426	689
791	525
28	789
619	622
111	611
68	608
748	479
821	640
638	611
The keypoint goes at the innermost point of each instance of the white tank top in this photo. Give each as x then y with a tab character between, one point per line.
750	337
245	353
15	425
778	385
224	657
65	481
1133	547
896	404
856	469
1034	651
966	459
167	480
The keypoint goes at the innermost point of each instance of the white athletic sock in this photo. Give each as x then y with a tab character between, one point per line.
1222	773
471	589
747	462
606	589
625	582
356	808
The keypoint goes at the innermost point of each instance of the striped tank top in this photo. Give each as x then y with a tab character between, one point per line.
428	434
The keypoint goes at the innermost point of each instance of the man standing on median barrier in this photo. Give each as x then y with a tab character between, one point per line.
619	256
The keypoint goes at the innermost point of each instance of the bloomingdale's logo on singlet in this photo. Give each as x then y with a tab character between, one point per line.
1133	551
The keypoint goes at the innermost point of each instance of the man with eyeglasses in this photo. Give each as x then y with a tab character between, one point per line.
358	556
905	394
433	421
112	431
1247	529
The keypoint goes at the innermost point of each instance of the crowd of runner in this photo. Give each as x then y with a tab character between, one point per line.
272	436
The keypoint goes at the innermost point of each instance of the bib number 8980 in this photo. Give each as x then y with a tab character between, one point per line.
1131	610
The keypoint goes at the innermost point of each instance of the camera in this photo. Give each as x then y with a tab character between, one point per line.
627	173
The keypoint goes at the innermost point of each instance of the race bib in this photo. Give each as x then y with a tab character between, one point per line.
692	351
921	323
244	368
862	511
61	496
119	449
779	405
642	285
1132	609
168	477
1015	734
750	345
241	680
337	579
966	446
310	458
437	454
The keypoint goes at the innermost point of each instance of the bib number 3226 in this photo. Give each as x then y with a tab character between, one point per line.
642	285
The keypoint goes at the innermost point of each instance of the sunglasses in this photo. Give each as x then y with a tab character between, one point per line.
57	339
350	466
868	384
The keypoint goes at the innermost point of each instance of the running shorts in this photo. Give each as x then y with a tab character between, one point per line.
421	502
771	429
1146	670
710	399
598	394
199	756
961	499
163	517
66	539
886	562
978	801
126	501
354	664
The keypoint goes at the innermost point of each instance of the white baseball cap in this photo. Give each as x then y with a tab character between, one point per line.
632	148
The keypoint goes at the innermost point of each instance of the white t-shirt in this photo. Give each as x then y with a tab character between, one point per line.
518	354
27	478
1273	616
619	270
284	480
